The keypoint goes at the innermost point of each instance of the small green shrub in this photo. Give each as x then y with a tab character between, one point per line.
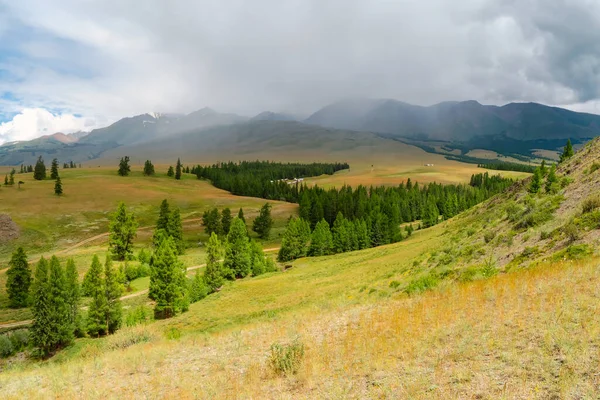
489	268
394	284
571	232
173	333
422	284
137	316
129	337
471	232
545	235
489	236
468	274
576	252
6	346
530	251
595	166
144	257
565	181
19	339
285	359
590	204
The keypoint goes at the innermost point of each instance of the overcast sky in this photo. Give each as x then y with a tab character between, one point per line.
67	65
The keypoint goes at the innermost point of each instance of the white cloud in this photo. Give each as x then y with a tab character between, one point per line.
34	122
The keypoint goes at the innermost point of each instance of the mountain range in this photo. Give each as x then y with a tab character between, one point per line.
515	128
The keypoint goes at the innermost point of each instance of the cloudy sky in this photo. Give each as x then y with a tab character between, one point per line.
68	65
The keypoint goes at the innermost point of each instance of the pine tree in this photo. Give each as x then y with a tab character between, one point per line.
148	168
212	222
178	170
237	251
93	286
536	181
73	296
11	177
197	287
42	334
123	229
175	230
168	280
124	168
551	180
294	243
226	220
39	172
5	180
58	189
112	289
543	169
241	216
162	223
263	223
567	151
170	172
432	213
258	260
340	235
362	234
92	277
54	169
213	273
321	242
18	279
58	303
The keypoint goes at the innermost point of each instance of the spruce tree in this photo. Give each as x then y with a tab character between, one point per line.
213	273
432	213
175	230
112	289
11	177
536	181
42	334
91	277
5	180
170	172
321	241
552	180
123	229
73	295
197	287
54	169
18	279
241	215
94	284
341	238
58	189
39	172
258	259
294	243
148	168
226	220
178	170
61	311
543	169
162	223
362	234
124	167
167	284
237	251
263	223
567	151
212	222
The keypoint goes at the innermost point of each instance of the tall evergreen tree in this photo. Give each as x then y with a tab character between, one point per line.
237	251
58	189
213	273
124	167
362	234
264	222
258	259
567	151
168	290
162	223
39	172
552	180
241	215
170	172
18	279
54	169
294	243
175	230
5	180
536	181
543	169
321	241
340	234
432	213
212	222
11	177
97	310
73	295
123	229
226	220
148	168
42	335
59	304
178	170
112	291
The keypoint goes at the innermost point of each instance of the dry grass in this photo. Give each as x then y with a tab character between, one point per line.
529	334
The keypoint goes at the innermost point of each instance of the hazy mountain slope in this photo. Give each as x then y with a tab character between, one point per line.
272	116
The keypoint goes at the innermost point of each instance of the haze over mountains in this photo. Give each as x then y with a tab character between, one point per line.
514	128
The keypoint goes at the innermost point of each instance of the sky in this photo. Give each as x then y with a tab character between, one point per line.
70	65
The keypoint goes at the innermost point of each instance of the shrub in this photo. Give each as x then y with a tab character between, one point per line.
489	268
468	274
173	333
129	337
139	315
19	339
394	284
422	284
489	236
131	272
143	270
6	346
286	359
545	235
565	181
470	232
571	232
143	257
529	251
590	204
595	166
575	252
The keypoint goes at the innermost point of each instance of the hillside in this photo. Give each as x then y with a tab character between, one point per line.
459	310
515	127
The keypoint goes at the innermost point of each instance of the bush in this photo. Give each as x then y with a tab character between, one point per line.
139	315
131	271
394	284
129	337
489	268
590	204
6	346
545	235
489	236
143	270
173	333
143	257
19	339
595	166
286	359
571	232
422	284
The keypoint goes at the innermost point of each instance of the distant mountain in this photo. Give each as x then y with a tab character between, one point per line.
271	116
468	123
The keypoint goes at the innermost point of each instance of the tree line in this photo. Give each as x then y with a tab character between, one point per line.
507	166
220	222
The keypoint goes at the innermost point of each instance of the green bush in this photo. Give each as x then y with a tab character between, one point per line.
131	271
173	333
571	232
590	204
422	284
286	359
595	166
394	284
489	268
143	257
19	339
468	274
129	337
6	346
139	315
489	236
